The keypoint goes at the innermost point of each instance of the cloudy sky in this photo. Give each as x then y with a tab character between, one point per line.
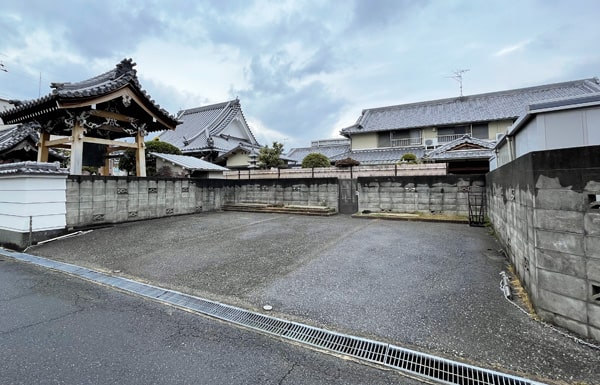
302	69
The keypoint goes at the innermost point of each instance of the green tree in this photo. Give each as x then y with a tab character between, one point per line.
127	161
315	159
409	158
269	157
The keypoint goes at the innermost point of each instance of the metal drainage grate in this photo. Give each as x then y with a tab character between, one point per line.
405	360
447	371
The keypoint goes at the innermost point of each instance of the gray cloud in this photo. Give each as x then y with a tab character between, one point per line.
381	14
308	112
92	29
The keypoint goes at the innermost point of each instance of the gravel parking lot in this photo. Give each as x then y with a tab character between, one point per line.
430	286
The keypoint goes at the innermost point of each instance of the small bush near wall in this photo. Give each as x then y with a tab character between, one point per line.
315	160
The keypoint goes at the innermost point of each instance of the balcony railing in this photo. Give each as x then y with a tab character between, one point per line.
407	142
449	138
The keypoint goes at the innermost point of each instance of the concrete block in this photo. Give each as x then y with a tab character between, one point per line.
568	264
559	220
563	242
591	222
593	268
559	200
562	284
562	305
594	333
592	247
580	328
594	314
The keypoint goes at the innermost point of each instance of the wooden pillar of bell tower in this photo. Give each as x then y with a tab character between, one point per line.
42	155
77	150
140	155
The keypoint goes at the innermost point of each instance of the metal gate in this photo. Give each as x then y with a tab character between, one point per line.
348	200
477	206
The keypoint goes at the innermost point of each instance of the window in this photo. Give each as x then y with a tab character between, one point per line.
450	133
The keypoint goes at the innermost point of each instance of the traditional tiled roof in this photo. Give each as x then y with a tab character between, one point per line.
189	162
121	76
465	147
380	155
33	168
202	125
13	135
329	148
493	106
242	146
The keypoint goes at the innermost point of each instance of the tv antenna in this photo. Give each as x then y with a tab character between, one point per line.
3	67
458	76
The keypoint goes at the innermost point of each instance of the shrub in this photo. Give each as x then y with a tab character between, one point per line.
409	158
348	162
315	159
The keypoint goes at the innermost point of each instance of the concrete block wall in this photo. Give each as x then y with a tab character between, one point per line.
93	200
446	194
300	192
543	211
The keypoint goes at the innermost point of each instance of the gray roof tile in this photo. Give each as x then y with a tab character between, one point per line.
448	152
474	108
33	168
189	162
299	153
12	136
198	124
380	155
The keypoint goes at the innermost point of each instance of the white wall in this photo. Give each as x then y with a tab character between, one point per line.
560	129
553	130
43	198
364	141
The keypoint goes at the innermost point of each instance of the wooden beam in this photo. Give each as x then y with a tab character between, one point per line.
114	148
56	142
112	115
43	147
112	96
108	142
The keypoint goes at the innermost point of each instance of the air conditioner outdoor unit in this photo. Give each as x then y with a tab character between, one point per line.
431	142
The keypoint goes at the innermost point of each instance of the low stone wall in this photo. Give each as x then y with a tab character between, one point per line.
93	200
542	208
404	169
418	194
301	192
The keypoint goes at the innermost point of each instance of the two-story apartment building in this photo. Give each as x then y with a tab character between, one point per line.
384	134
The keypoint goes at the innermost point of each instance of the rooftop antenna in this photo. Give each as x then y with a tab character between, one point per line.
3	67
458	76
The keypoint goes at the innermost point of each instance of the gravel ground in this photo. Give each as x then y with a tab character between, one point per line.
429	286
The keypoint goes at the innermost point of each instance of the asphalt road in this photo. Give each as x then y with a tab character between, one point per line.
56	329
433	287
